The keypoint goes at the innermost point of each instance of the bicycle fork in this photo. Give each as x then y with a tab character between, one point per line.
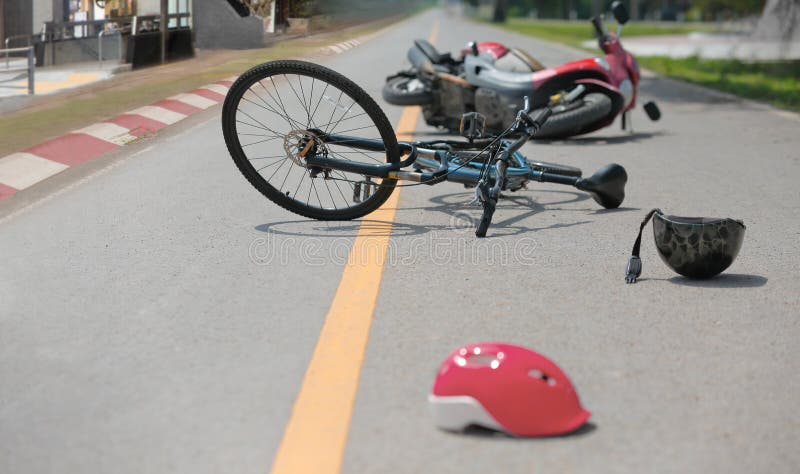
488	196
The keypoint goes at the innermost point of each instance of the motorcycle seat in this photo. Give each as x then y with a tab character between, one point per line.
481	72
430	52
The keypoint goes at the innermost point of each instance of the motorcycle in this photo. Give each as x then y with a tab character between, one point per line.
491	79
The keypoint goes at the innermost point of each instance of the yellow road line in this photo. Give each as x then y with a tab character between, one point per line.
316	434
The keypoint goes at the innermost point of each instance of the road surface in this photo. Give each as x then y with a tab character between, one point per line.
144	328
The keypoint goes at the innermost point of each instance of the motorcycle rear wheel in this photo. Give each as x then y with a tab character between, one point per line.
396	92
576	120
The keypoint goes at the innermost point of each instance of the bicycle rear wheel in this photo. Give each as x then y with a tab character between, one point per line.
275	113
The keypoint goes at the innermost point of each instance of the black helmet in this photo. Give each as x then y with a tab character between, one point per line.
695	247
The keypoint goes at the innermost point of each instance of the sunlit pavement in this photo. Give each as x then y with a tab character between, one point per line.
157	314
709	46
52	79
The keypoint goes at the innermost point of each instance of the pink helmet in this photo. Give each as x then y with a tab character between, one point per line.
505	387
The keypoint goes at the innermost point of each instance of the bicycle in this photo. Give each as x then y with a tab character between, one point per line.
347	173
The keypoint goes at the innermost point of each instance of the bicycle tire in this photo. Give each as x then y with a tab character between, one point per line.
330	78
486	218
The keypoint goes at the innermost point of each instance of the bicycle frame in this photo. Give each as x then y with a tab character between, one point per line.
428	158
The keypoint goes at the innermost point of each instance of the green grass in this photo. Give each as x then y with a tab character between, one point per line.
776	82
574	33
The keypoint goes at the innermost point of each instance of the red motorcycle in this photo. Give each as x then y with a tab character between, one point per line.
493	80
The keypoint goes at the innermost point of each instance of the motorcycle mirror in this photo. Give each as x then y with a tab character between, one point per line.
620	12
472	125
474	47
652	111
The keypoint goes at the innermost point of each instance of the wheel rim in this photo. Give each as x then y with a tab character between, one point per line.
279	118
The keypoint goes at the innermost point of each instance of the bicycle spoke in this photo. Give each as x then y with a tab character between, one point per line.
317	193
285	114
340	118
261	141
273	131
336	183
322	95
283	107
272	164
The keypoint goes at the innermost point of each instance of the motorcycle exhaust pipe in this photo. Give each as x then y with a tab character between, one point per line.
574	93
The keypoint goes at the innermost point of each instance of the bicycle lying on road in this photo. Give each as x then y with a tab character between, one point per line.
318	145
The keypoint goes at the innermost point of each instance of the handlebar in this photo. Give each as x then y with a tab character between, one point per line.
541	118
528	125
599	28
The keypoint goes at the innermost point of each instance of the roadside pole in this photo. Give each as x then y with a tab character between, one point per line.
31	70
164	29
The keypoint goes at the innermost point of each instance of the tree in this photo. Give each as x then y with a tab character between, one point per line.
500	11
713	8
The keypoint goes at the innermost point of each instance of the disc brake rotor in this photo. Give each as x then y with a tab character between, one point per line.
299	143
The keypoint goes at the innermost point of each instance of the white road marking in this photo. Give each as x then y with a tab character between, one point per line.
109	132
22	170
194	100
218	88
159	114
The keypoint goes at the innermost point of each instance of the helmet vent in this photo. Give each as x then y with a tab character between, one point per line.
483	360
538	374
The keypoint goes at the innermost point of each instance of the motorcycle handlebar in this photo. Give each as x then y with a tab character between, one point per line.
597	22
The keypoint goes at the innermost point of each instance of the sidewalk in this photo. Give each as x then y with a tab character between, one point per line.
709	46
50	80
26	121
51	135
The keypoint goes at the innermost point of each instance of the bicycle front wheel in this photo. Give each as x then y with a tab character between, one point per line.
277	112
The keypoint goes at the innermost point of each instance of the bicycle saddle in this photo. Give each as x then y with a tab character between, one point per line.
606	186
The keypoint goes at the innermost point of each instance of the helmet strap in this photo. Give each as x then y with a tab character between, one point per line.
634	268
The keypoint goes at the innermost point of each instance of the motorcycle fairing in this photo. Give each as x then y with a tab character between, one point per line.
497	50
480	72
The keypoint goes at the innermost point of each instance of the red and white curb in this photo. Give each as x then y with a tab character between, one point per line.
28	167
339	48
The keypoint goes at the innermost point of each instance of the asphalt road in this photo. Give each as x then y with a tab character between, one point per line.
138	333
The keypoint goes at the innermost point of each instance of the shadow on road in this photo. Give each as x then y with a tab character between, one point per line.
619	209
460	218
481	432
726	280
